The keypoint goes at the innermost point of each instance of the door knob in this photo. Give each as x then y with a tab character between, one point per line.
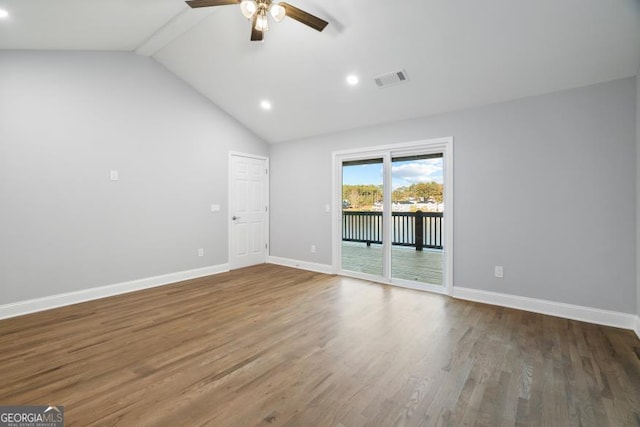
235	217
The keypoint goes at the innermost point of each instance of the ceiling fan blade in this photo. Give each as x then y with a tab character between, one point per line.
304	17
207	3
256	35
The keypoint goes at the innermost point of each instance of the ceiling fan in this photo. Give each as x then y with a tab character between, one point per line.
257	11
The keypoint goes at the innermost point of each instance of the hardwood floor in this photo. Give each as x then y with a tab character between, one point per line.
270	345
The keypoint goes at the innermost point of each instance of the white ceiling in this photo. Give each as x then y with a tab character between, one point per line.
457	54
83	24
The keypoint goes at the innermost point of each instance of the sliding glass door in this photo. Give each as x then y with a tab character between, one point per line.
362	221
392	222
417	218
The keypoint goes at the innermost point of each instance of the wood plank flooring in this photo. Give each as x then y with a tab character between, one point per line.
269	345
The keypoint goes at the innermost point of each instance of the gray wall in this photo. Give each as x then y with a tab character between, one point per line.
638	192
544	186
66	119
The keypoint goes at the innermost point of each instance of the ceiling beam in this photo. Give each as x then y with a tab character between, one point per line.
184	21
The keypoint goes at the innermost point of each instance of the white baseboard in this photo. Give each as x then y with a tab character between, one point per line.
552	308
45	303
304	265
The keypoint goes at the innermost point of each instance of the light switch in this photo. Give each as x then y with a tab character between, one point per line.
113	175
327	208
215	208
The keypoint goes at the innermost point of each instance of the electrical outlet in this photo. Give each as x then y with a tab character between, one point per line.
313	249
113	175
499	272
201	252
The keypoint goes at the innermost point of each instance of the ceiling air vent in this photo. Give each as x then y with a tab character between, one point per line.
391	79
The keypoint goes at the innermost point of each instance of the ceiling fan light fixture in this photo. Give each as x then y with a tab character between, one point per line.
261	23
257	12
248	8
278	13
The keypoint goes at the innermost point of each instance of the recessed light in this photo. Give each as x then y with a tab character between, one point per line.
3	13
266	105
352	79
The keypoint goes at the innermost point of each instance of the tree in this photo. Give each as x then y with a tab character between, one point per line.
422	191
360	196
363	196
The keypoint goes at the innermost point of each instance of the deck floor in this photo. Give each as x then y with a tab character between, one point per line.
406	263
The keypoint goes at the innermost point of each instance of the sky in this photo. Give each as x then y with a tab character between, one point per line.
403	173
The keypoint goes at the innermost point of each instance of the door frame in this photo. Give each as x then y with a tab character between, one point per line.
230	201
435	145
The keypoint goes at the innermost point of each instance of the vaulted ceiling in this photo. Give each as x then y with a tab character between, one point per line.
457	54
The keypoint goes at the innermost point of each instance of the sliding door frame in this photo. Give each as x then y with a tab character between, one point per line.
387	153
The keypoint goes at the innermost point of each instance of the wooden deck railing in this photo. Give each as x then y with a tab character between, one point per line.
417	229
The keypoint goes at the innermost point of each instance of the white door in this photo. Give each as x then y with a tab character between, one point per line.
248	224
